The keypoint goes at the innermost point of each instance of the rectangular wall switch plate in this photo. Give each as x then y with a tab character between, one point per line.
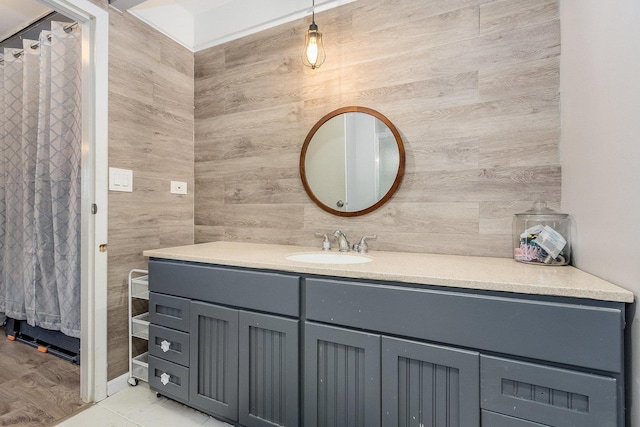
120	180
178	187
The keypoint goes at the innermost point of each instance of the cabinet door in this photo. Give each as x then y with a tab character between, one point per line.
268	371
429	386
213	380
342	377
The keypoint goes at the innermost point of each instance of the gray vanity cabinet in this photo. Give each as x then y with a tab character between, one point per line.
238	364
533	361
380	354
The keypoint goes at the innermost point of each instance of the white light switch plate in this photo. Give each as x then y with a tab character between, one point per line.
178	187
120	180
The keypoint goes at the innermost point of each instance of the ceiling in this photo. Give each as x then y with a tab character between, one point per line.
17	14
195	24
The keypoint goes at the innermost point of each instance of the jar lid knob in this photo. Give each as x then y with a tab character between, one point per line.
539	206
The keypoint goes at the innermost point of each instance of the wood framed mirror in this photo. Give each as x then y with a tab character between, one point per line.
352	161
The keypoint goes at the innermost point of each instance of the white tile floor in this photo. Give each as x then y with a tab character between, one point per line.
139	406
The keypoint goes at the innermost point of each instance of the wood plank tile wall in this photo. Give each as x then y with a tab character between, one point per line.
151	126
472	86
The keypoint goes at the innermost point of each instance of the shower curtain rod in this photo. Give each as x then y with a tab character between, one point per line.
17	54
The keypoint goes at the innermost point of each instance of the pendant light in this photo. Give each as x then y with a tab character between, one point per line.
313	55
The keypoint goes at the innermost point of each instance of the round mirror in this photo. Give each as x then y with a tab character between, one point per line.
352	161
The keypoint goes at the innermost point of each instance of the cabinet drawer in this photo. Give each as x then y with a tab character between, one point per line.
248	289
547	395
491	419
169	344
570	333
168	378
169	311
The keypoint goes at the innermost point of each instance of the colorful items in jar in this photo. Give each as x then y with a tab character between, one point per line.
541	243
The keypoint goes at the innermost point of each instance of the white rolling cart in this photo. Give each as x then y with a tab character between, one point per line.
138	326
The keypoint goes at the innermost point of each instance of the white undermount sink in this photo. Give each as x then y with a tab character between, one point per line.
329	258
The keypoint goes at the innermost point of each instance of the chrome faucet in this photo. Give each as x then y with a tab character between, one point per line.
363	247
344	244
326	244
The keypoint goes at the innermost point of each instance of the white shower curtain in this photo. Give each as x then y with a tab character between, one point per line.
40	153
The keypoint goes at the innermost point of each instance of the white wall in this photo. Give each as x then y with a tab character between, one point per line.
600	144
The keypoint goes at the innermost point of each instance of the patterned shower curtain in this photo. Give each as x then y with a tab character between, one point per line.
40	154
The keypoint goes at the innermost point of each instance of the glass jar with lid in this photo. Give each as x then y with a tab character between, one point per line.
542	236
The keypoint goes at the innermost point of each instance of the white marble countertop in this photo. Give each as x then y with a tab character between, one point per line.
494	274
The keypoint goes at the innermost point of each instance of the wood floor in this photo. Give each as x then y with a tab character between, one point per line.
36	389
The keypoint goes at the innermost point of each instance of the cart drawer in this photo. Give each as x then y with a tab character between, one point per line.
169	344
547	395
169	378
169	311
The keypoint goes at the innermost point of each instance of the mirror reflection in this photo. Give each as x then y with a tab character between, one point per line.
352	161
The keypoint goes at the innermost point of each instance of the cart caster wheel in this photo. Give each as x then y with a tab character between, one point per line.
133	382
158	395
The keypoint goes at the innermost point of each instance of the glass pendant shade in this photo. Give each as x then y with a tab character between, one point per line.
313	55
